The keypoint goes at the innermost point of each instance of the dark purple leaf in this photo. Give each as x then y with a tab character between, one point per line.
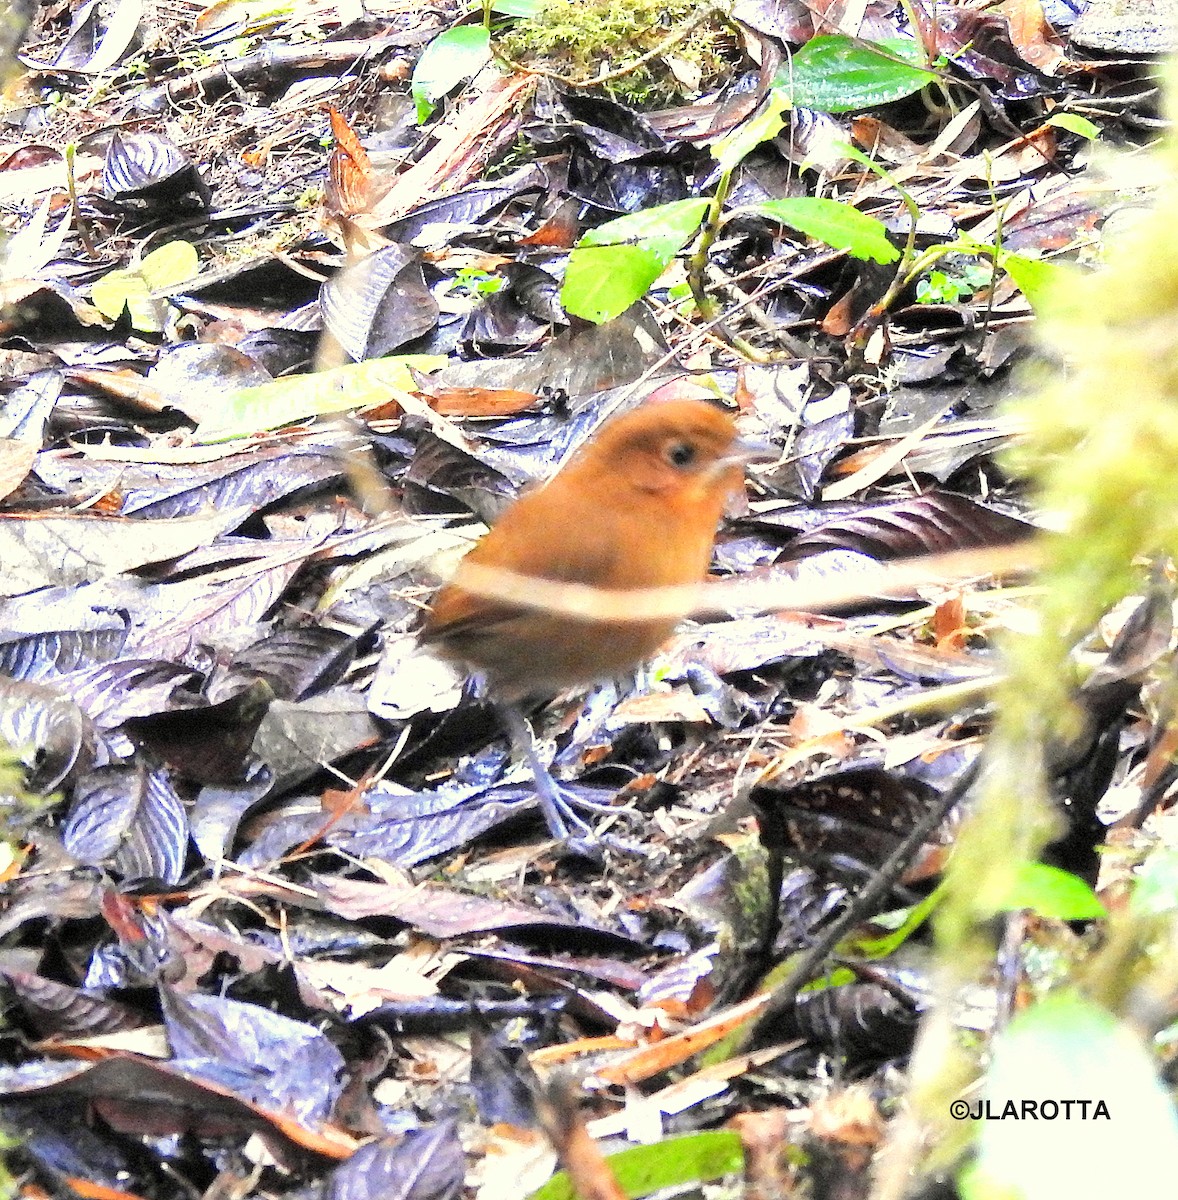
296	662
379	303
35	656
135	1095
263	1058
444	912
85	33
250	480
185	374
207	744
27	408
469	205
219	810
148	165
131	818
47	729
933	523
173	618
979	43
130	687
53	1008
61	1139
423	1164
297	737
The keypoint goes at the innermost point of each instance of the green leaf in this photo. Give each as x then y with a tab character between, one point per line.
514	8
1067	1048
247	411
1075	124
451	58
732	149
117	290
601	282
836	74
838	225
911	920
614	265
695	1158
175	263
664	225
1036	279
1050	892
131	289
836	978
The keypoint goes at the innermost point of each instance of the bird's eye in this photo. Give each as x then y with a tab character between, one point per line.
681	454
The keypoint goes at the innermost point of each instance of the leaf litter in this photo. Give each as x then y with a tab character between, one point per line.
254	829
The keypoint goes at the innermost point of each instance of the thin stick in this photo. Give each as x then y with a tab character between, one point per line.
578	600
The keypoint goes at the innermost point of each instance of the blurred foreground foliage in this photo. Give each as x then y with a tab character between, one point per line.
1099	452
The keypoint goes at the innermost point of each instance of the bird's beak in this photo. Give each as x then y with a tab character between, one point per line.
741	452
747	450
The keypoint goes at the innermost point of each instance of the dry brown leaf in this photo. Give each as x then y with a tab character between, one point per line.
350	174
467	138
1032	36
16	459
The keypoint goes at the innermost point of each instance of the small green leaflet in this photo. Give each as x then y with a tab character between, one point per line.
447	61
615	264
838	225
514	8
695	1158
731	149
1039	281
601	282
1074	123
1053	893
837	74
667	226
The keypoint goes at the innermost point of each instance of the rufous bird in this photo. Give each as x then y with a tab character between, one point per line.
637	507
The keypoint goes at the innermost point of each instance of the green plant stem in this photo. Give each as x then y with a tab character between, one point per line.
868	322
697	266
996	256
914	23
80	222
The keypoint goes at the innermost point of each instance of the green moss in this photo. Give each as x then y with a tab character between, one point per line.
579	39
751	885
1097	448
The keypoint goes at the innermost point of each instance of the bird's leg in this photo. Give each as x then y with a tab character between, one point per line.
559	805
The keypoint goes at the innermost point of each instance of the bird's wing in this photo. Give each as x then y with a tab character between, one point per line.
550	534
558	533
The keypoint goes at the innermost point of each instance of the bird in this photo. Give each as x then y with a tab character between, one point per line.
636	507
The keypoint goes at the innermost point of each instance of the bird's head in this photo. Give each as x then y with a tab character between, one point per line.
687	446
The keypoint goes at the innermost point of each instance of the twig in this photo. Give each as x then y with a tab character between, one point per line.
809	965
580	601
